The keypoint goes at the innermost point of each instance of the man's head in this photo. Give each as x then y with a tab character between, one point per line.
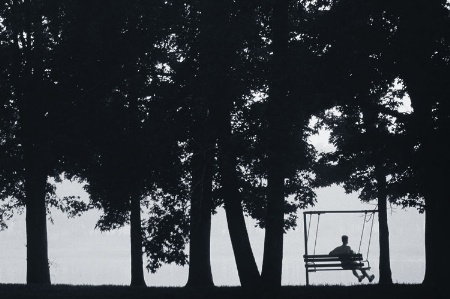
344	239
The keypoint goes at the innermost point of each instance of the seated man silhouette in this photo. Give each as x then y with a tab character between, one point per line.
344	249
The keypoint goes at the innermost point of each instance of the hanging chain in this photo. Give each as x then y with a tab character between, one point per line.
370	236
317	230
362	232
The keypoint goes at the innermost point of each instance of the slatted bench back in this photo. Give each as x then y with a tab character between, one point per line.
325	262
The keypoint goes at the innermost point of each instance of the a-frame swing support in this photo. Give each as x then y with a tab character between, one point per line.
305	230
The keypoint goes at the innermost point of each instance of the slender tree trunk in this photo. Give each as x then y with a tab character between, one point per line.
38	271
36	161
273	242
200	228
278	133
431	234
245	261
137	271
385	262
243	254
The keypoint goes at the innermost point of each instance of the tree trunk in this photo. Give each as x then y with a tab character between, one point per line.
38	271
431	234
243	254
137	270
245	261
200	227
278	133
385	262
273	241
436	209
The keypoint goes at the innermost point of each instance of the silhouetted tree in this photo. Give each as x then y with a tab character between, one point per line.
130	148
421	56
277	144
198	141
210	97
33	139
220	73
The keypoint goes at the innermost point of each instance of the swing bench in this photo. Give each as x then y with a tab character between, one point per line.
326	262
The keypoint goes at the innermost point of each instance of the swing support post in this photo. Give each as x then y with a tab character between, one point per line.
305	234
305	230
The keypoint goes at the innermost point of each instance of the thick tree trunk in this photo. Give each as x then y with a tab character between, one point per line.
200	227
137	271
273	242
385	262
38	271
278	134
36	160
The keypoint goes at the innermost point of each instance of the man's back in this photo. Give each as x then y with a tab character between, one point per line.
343	249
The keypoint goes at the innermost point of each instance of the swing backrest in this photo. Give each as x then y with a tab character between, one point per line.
325	262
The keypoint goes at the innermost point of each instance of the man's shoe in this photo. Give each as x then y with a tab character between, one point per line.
360	278
371	278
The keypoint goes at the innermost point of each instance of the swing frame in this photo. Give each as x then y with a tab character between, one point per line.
315	262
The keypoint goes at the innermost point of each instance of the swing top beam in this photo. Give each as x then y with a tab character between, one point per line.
336	212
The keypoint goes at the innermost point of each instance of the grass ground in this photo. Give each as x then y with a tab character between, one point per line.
19	291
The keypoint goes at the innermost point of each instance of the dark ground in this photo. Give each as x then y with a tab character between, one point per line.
398	291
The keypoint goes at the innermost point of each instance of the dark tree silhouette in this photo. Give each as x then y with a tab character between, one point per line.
277	145
213	96
219	60
35	141
130	148
199	140
421	54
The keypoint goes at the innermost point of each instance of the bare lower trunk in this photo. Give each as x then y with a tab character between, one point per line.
273	241
243	254
385	262
200	228
38	271
137	271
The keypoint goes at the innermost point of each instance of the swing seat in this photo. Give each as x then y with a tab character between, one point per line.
326	262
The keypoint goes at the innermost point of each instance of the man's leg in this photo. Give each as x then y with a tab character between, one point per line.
360	278
364	274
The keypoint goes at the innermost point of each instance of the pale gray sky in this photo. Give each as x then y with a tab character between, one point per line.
81	255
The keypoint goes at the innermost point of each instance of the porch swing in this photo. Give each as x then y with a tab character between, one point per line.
325	262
